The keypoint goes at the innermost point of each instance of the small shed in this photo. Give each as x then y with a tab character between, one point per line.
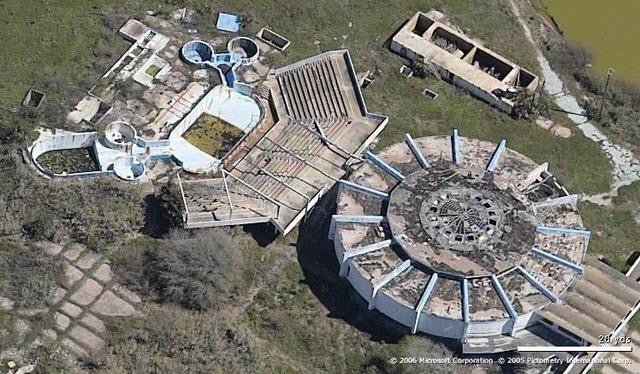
228	22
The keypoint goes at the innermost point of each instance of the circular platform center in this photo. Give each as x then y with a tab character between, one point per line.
457	221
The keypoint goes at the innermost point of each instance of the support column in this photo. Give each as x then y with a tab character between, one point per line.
423	300
549	203
558	260
497	154
563	231
539	286
384	166
337	218
347	255
506	302
465	300
415	150
366	190
456	158
387	278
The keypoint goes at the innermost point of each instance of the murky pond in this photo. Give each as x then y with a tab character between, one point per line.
609	29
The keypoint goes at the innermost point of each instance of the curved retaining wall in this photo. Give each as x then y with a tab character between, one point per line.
248	45
61	140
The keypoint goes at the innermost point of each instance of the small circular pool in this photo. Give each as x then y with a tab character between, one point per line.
120	135
244	50
197	52
128	168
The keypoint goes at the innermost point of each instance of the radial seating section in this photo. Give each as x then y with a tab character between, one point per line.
585	297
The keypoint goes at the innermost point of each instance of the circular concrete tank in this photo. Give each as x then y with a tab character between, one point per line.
197	52
120	135
245	50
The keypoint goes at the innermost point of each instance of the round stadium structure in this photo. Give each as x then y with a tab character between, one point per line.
458	238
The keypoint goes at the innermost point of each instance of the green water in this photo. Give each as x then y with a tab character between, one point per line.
610	29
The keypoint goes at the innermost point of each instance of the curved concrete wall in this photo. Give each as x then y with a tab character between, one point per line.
390	307
250	48
428	323
443	327
238	110
197	52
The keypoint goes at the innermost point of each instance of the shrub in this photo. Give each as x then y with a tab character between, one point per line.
50	360
198	273
18	128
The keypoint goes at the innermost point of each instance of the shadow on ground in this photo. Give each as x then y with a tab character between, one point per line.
263	233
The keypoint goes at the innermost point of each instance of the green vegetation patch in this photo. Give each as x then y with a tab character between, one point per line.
68	161
201	270
96	212
28	275
615	229
171	340
213	135
456	109
196	272
152	70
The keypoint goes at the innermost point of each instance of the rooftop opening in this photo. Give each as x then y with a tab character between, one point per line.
33	99
422	24
430	94
450	42
152	70
273	39
491	64
524	78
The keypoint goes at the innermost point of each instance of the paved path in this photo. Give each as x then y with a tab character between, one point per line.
79	306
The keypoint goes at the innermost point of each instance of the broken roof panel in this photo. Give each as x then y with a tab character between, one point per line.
134	30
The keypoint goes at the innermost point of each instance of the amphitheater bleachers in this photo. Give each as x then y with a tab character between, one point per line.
312	91
303	141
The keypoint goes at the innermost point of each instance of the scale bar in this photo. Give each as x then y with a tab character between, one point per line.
625	348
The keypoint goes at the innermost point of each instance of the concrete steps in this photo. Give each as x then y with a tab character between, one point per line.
575	321
312	91
600	296
616	276
625	294
593	309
